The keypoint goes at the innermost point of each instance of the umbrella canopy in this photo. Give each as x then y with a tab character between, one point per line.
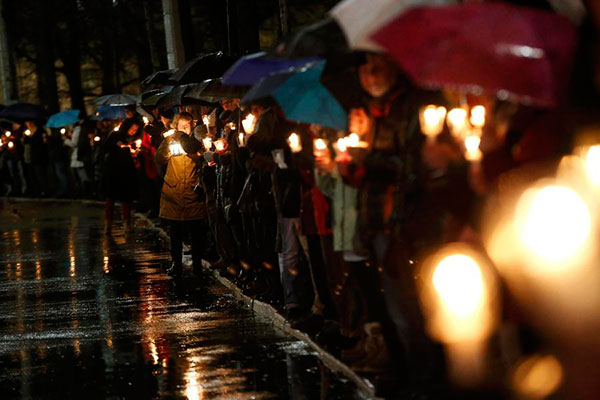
266	86
175	98
152	97
360	18
157	78
303	98
208	66
213	90
250	69
518	53
321	39
23	111
109	113
115	100
64	118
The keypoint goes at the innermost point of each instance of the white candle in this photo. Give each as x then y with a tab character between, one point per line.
207	142
169	133
472	148
249	123
478	116
176	149
457	121
431	119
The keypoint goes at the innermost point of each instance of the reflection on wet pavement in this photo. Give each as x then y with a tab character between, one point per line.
83	316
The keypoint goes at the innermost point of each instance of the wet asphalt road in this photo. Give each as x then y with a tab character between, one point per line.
84	317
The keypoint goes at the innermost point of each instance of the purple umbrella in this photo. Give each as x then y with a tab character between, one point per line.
250	69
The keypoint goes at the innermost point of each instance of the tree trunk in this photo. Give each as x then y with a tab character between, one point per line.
155	54
175	52
9	83
46	71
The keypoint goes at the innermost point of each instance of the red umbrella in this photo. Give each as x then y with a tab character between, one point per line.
516	52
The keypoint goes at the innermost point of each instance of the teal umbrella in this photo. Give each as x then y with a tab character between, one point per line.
303	98
64	118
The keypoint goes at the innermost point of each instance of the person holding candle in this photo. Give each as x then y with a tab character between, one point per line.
119	177
180	205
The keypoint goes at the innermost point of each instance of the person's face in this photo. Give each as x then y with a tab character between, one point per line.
184	126
230	104
378	75
133	129
257	110
129	113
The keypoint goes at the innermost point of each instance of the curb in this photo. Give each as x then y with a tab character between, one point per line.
366	388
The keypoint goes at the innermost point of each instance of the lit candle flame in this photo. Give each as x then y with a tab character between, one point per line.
96	138
146	120
138	143
207	142
478	116
27	132
220	144
472	148
205	120
241	141
320	144
294	142
116	128
457	121
341	145
432	120
8	133
353	140
63	131
11	145
249	123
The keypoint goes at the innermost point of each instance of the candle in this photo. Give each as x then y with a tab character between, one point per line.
241	140
176	149
138	143
206	122
459	299
232	126
221	145
207	142
27	132
341	145
116	128
169	133
478	116
8	133
11	145
63	131
249	123
146	120
472	148
320	144
96	138
294	142
432	119
457	121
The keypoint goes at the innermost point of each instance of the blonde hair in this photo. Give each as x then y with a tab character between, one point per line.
186	116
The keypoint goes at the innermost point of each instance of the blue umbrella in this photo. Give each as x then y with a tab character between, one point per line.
109	113
251	68
303	98
64	118
266	86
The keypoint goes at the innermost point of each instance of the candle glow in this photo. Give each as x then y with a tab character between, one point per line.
63	131
27	132
294	142
457	121
249	123
96	138
169	133
478	116
432	119
207	142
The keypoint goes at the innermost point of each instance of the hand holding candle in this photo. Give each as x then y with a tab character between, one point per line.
207	142
249	123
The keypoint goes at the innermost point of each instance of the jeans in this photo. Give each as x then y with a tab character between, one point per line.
62	176
295	276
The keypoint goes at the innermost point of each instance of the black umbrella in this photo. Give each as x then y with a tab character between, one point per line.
115	100
151	97
158	78
23	111
175	98
213	90
322	39
201	68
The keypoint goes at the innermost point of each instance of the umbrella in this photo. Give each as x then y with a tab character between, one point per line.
175	98
152	97
109	113
249	69
303	98
115	100
213	90
515	52
158	78
267	85
208	66
321	39
23	111
64	118
360	18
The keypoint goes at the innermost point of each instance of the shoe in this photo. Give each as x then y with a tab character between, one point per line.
174	271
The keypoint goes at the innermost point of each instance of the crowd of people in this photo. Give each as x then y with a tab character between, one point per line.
329	226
